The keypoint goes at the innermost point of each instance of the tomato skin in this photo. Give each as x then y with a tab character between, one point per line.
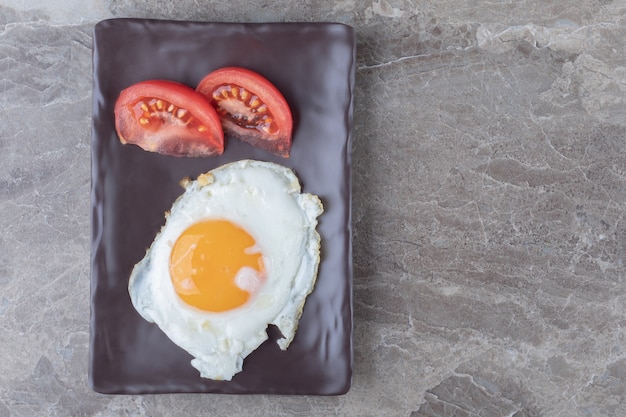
169	118
232	91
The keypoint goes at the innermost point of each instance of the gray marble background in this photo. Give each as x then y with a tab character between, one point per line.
489	202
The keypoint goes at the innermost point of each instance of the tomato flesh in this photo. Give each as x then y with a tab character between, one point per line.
168	118
243	108
250	107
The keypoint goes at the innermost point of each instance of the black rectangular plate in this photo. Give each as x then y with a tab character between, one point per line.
312	64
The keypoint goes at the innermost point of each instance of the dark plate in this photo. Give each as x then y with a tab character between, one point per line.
313	66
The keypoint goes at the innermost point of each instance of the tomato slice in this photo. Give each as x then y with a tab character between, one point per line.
251	108
168	118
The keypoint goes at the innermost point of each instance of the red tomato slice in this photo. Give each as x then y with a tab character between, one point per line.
251	108
168	118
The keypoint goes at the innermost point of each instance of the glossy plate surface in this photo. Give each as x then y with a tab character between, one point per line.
313	66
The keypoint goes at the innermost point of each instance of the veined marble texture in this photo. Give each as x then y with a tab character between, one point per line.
489	194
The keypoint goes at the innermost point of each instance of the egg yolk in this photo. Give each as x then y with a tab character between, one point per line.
216	265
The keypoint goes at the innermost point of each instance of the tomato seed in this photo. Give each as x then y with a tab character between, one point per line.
144	107
160	104
170	108
181	113
202	128
144	121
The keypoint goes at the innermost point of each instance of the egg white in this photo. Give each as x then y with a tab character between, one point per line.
266	200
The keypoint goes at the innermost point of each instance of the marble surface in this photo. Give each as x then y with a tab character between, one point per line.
488	208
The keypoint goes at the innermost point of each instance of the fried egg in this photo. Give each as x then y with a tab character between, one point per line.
239	251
